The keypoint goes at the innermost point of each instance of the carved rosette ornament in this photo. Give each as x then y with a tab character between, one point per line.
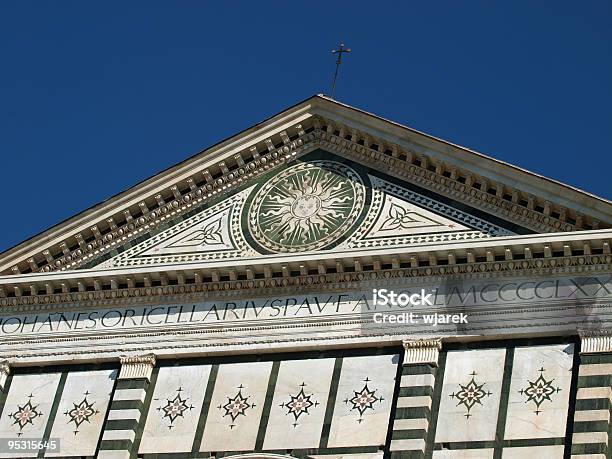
306	207
136	366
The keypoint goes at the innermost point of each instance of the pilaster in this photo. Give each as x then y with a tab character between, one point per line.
413	412
127	407
591	432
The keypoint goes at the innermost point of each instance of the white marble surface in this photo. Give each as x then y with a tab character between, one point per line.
455	421
235	428
39	391
86	392
284	431
525	419
402	218
365	423
485	453
541	452
162	433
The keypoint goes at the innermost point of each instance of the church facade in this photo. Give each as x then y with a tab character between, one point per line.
324	284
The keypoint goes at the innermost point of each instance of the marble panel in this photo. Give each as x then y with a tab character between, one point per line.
175	409
81	411
539	391
298	406
363	401
471	389
27	408
236	406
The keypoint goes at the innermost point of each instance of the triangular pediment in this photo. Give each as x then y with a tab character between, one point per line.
402	188
319	202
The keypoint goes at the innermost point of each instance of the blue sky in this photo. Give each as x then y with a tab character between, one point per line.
97	96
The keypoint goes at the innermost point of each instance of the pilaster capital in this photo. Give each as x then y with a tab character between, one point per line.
5	371
137	366
595	341
422	351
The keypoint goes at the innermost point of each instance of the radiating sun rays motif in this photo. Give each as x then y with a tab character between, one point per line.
307	206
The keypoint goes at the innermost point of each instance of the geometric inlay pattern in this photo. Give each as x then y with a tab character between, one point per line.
214	233
539	390
175	408
470	394
306	206
363	400
81	412
236	406
25	414
299	404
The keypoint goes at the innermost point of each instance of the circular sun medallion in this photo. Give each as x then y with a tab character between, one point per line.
306	207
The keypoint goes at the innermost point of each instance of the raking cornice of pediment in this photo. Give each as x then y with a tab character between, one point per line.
510	193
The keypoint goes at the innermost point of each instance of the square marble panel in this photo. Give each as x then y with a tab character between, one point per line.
27	407
470	396
299	403
175	409
363	401
235	409
539	391
81	412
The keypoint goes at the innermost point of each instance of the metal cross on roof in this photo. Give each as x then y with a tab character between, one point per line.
341	50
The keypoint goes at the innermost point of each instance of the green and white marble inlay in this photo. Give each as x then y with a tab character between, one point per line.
307	206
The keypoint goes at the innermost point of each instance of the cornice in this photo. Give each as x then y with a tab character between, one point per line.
189	284
212	179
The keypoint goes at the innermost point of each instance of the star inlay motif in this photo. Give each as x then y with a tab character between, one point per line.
363	400
236	406
299	404
539	391
25	415
175	408
470	394
81	412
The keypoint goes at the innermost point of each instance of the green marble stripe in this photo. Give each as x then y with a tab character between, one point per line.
121	424
591	426
502	413
4	393
140	383
408	434
115	445
331	402
421	369
416	391
53	411
265	415
586	359
406	455
589	448
504	444
210	387
127	405
435	405
587	404
413	412
594	381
